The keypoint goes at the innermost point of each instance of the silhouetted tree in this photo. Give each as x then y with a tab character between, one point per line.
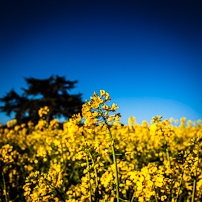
51	92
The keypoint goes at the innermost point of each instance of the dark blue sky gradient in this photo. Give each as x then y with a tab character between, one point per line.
146	54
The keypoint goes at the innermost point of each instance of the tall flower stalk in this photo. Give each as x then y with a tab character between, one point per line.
97	110
114	157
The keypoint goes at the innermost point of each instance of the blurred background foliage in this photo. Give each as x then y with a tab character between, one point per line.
52	92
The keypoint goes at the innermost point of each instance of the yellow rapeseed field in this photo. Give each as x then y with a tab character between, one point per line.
100	159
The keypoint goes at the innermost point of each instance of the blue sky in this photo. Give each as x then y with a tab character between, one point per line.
146	54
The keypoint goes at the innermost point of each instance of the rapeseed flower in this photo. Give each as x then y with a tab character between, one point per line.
50	163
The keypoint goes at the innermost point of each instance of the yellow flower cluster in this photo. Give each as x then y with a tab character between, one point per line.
11	123
54	124
43	111
6	154
46	183
97	108
157	162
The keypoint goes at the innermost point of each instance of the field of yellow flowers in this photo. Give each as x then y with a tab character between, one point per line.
100	159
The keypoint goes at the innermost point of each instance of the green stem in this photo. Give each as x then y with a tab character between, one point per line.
90	192
168	158
133	195
4	187
194	183
193	193
180	185
59	194
93	162
122	199
198	155
156	199
167	151
114	156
